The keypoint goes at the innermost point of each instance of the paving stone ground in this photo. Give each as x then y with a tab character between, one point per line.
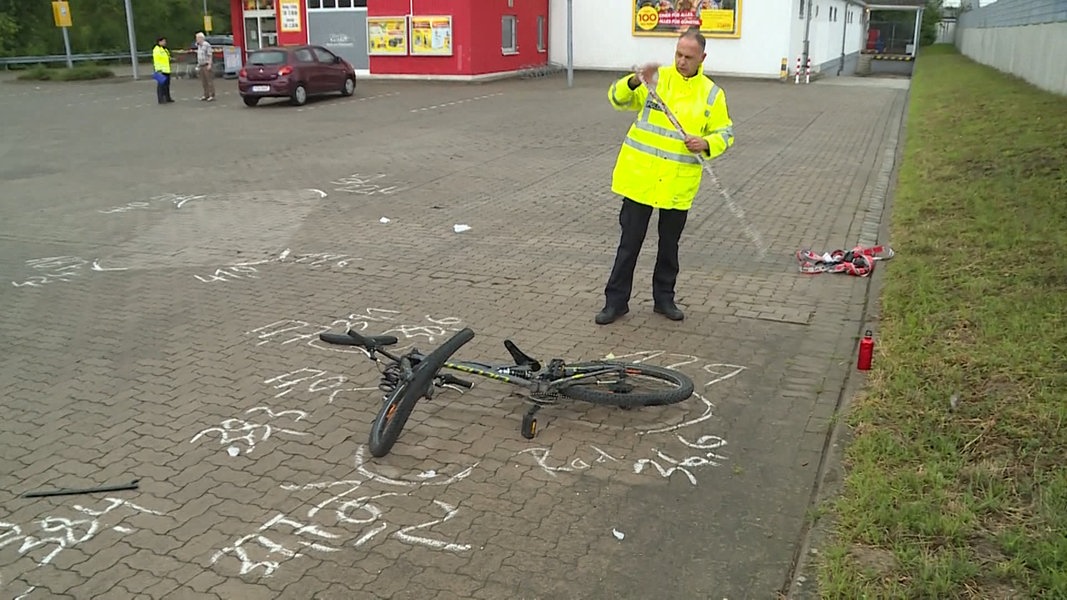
165	271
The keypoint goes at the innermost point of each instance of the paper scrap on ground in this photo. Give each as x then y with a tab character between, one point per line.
233	451
618	534
460	228
383	220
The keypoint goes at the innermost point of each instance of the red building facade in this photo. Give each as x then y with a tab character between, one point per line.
443	38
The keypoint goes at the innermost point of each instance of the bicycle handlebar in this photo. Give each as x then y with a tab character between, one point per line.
377	342
353	338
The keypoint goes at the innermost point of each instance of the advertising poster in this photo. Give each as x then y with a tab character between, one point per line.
713	18
387	35
290	12
431	36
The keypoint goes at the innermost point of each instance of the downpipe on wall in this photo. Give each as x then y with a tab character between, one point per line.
844	36
807	33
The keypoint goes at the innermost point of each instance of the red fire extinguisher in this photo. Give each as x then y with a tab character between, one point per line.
863	363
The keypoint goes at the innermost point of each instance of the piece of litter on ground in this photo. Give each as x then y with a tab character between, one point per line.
283	254
383	220
233	451
428	474
610	355
618	534
458	228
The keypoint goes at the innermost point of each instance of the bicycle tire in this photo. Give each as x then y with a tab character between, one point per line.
683	387
387	425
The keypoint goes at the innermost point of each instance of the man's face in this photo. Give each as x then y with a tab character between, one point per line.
688	57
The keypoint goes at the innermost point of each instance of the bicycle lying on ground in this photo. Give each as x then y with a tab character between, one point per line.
409	377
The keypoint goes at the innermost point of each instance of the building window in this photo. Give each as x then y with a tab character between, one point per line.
508	43
331	4
540	34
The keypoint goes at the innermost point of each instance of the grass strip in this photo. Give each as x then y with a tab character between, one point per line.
956	471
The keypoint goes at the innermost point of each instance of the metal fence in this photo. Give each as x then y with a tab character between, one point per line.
8	62
894	36
1014	13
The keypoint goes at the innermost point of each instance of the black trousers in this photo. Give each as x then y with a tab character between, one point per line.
633	218
163	90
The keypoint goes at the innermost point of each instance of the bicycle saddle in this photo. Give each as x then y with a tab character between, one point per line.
520	358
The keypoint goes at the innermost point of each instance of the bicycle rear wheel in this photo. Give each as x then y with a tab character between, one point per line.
398	404
629	385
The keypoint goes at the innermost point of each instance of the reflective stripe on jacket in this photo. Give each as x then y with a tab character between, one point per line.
654	167
161	59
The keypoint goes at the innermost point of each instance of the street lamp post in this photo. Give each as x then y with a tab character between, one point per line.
133	37
570	43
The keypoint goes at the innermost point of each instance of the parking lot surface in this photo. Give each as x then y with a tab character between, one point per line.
166	270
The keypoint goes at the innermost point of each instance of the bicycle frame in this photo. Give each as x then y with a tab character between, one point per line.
539	384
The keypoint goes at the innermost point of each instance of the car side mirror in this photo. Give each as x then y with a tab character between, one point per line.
337	60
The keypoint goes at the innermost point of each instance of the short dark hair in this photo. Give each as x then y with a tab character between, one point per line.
694	34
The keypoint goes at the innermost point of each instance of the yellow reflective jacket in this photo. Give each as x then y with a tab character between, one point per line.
161	59
654	167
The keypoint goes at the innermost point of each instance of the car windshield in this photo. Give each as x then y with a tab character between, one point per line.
268	57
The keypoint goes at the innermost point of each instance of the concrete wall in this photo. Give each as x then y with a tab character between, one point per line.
603	39
1027	38
832	33
770	31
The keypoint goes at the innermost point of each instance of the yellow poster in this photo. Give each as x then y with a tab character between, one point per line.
387	35
61	14
713	18
290	13
431	36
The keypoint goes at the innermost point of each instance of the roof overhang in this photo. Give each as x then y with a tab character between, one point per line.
907	7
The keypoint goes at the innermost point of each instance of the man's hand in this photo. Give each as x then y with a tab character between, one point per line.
646	73
696	144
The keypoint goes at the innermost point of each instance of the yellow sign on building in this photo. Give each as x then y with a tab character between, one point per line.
713	18
387	35
431	35
61	14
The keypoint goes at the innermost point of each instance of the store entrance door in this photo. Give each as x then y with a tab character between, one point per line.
260	32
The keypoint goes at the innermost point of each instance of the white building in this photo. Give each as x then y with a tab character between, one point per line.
745	37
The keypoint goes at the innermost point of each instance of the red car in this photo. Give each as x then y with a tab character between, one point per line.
294	72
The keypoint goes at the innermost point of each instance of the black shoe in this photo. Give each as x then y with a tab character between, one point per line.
609	313
670	311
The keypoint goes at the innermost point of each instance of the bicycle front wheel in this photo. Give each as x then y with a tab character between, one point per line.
399	403
629	385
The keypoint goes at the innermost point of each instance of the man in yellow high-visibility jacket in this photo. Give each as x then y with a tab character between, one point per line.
161	63
657	168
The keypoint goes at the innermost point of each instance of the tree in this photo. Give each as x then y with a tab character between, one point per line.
27	27
932	16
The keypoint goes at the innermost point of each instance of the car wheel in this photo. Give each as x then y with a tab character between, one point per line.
251	101
350	86
300	95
